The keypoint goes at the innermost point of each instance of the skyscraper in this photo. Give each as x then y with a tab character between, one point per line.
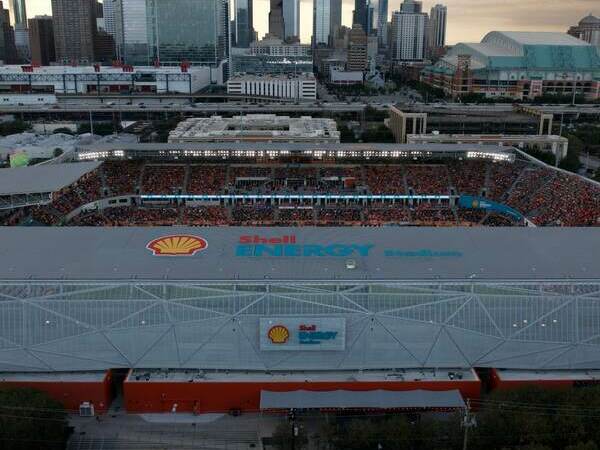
244	27
276	21
291	18
74	29
361	13
382	19
437	27
108	12
18	16
357	49
321	23
18	13
131	32
41	39
408	35
188	30
335	18
8	51
411	7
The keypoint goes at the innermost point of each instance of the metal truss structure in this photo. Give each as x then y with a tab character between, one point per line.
60	325
20	200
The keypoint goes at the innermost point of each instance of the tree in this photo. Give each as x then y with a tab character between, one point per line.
31	420
63	130
571	162
14	127
590	445
283	437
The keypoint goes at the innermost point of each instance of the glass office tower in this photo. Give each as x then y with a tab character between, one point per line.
195	31
321	22
244	28
131	32
291	18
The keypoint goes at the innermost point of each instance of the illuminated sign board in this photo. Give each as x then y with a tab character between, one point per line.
302	334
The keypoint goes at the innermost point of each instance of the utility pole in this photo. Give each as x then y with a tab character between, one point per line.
292	419
91	125
468	422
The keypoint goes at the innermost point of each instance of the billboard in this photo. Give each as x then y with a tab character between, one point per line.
302	334
471	202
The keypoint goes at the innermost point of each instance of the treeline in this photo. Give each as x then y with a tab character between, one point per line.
525	419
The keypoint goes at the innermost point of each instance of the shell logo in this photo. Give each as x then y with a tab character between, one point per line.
177	245
278	334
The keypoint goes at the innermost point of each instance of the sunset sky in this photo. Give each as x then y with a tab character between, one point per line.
468	20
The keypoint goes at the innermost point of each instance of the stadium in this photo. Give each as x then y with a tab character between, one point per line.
216	276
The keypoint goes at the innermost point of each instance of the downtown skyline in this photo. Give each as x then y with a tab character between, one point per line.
468	20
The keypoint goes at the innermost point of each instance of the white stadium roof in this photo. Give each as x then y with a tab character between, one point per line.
44	178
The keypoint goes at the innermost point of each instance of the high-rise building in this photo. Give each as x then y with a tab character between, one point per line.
361	14
18	13
244	27
74	29
131	32
104	47
321	23
408	34
187	30
357	49
437	27
291	18
276	21
411	7
41	39
335	19
382	20
587	30
18	16
108	12
8	50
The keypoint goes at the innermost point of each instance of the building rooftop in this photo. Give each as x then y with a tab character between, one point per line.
528	375
286	76
53	377
237	376
11	69
321	254
537	38
44	178
255	127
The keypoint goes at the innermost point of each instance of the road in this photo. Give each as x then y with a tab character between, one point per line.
171	104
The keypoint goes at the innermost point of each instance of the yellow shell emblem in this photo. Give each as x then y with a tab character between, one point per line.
177	245
278	334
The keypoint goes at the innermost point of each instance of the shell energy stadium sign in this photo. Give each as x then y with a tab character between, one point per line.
302	334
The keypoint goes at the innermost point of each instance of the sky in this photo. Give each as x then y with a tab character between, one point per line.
468	20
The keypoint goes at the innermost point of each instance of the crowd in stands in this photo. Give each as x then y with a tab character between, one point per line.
428	179
206	179
468	177
122	177
163	179
386	180
544	195
205	216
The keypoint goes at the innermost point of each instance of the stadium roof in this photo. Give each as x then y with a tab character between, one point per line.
314	254
44	178
538	38
287	146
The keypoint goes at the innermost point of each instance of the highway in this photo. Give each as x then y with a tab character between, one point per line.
155	104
